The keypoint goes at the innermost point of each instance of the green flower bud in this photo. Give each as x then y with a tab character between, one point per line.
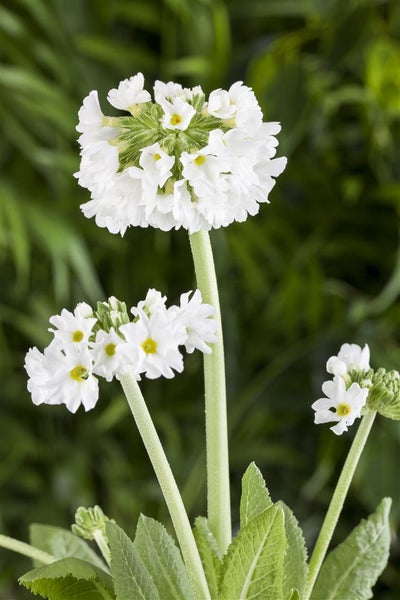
89	522
384	395
112	314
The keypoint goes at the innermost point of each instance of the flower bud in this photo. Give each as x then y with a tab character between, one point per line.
89	521
112	314
384	395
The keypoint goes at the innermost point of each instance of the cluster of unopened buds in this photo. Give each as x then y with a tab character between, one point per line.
107	343
355	389
180	161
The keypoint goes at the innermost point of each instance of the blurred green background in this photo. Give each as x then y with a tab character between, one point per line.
317	267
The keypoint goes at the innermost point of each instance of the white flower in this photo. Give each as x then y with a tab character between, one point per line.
197	320
346	404
156	165
219	105
351	357
155	340
91	122
153	301
129	92
168	91
99	167
108	360
72	328
177	114
62	375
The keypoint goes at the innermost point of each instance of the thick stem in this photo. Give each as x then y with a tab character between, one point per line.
168	485
26	550
218	489
338	498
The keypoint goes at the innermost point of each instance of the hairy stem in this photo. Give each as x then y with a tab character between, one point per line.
338	498
168	485
218	488
26	550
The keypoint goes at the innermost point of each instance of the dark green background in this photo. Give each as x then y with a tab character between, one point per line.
317	267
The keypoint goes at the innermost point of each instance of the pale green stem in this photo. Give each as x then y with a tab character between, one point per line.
102	545
26	550
168	485
337	501
218	489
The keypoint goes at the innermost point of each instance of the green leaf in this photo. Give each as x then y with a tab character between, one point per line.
162	559
253	565
255	496
210	554
69	579
295	566
61	543
130	576
353	567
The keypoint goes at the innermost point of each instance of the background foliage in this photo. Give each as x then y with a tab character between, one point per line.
317	267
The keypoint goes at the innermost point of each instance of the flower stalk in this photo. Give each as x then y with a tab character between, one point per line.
218	489
337	501
167	483
26	550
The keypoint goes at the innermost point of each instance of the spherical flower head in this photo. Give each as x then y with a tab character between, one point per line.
177	161
129	93
73	328
62	375
340	404
351	357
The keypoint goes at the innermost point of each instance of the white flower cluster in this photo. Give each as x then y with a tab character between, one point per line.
87	345
344	399
180	161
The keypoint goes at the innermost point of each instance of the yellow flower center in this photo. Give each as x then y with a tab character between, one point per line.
175	119
79	373
110	349
200	160
149	346
157	156
343	409
77	336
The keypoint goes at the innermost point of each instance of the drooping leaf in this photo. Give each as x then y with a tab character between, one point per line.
353	567
210	554
61	543
130	576
253	565
255	496
69	579
295	562
162	559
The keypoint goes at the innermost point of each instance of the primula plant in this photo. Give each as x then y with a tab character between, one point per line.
184	160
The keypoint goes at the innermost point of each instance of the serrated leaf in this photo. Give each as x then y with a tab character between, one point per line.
295	566
163	561
253	565
210	554
61	543
353	567
69	579
255	497
130	576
